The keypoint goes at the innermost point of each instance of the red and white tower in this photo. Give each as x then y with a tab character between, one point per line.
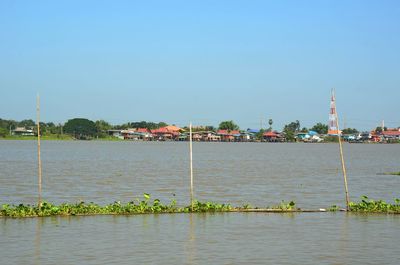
332	127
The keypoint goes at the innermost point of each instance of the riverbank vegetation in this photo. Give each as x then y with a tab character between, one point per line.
77	128
56	137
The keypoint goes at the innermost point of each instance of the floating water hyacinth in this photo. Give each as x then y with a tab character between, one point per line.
146	206
380	206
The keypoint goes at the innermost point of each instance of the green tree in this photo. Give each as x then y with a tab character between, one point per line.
43	128
3	132
60	128
228	125
379	129
270	122
290	130
289	135
27	123
8	124
141	124
349	131
210	128
260	134
162	124
102	127
52	128
293	126
320	128
199	128
80	128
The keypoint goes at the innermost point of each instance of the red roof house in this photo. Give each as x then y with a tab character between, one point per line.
142	130
228	135
167	132
270	134
228	132
391	133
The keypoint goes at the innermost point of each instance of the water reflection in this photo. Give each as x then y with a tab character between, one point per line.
190	246
39	223
229	238
343	247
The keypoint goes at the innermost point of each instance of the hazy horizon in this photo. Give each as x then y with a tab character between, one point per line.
203	62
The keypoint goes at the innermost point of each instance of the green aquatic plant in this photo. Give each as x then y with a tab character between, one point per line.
389	173
285	206
380	206
82	208
247	206
17	211
334	208
392	173
207	207
133	207
146	206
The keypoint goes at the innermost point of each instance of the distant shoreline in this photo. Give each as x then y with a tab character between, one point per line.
114	139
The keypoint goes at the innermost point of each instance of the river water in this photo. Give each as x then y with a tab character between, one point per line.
260	174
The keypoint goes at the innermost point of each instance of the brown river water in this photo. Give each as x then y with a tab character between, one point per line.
260	174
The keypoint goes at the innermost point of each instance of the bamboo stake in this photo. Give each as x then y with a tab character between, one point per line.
191	165
38	145
341	157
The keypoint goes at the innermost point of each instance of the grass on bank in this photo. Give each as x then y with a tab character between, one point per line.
43	137
57	137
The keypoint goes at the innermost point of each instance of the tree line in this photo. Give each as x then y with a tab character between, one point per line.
77	127
7	126
82	128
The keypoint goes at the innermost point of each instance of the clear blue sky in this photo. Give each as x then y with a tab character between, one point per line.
204	61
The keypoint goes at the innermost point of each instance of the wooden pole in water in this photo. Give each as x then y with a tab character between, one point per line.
341	157
38	146
191	164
